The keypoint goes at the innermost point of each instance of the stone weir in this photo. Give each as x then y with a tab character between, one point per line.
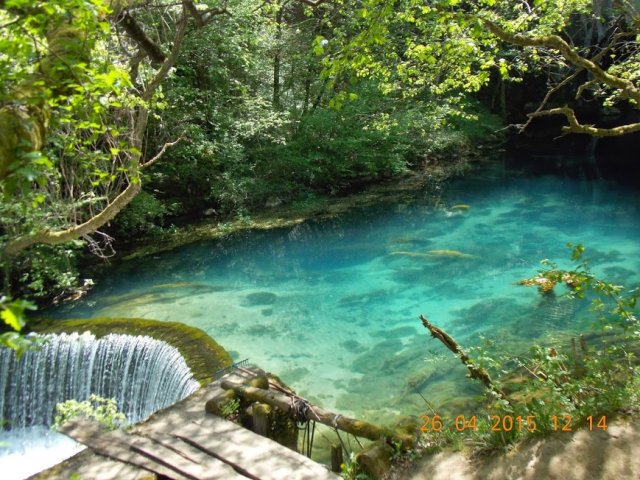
143	365
201	353
140	373
195	439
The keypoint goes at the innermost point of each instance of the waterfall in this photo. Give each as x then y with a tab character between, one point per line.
142	374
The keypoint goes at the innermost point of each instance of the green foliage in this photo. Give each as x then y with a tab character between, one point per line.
142	216
57	66
231	408
13	316
103	410
350	470
12	312
562	381
446	46
44	273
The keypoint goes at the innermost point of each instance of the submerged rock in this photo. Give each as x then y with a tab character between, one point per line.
261	298
435	254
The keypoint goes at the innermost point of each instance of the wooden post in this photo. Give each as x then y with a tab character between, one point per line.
336	457
359	428
261	418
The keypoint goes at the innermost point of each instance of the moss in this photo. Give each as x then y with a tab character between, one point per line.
203	355
400	189
375	459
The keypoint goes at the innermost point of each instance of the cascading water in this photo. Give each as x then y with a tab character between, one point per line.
142	374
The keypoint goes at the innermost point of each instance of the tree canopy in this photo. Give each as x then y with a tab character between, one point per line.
453	45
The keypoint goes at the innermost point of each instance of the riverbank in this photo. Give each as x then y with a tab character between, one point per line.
431	178
580	455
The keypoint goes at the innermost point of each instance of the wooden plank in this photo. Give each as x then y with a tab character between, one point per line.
163	454
114	445
252	455
211	466
90	465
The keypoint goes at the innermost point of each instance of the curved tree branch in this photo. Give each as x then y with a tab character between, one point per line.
136	32
53	237
570	55
576	127
157	156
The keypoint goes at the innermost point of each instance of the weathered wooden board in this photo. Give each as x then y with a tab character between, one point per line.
163	455
209	467
250	454
113	445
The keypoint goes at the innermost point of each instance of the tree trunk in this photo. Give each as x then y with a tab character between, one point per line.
353	426
277	59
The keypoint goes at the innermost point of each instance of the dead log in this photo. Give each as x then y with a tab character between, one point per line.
304	411
474	372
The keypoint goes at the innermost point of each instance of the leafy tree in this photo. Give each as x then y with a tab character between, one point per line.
455	45
74	106
79	81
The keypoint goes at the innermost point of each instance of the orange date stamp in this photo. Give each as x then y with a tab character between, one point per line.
508	423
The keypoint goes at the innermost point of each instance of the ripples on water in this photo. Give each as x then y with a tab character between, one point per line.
332	305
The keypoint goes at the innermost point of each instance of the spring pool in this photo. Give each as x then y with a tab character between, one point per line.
332	305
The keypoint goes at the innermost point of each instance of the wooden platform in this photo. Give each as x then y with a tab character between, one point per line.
184	443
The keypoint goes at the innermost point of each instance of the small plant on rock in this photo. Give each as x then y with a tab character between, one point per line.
103	410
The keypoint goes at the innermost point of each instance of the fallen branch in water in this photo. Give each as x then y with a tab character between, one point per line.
474	371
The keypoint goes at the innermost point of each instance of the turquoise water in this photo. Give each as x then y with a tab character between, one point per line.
332	305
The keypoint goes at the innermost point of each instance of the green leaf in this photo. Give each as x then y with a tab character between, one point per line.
11	319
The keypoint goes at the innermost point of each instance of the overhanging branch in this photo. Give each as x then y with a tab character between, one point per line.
576	127
570	54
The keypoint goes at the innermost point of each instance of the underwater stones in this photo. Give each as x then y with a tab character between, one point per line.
488	312
353	346
266	312
295	374
260	298
375	358
619	274
363	298
396	332
438	253
259	330
418	379
461	207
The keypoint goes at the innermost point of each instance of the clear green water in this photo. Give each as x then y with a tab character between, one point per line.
332	306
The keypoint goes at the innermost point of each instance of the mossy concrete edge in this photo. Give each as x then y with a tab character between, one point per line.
203	355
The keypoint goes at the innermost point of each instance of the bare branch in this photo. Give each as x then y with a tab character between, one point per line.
576	127
100	248
313	3
546	98
203	16
136	32
161	152
169	61
583	87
